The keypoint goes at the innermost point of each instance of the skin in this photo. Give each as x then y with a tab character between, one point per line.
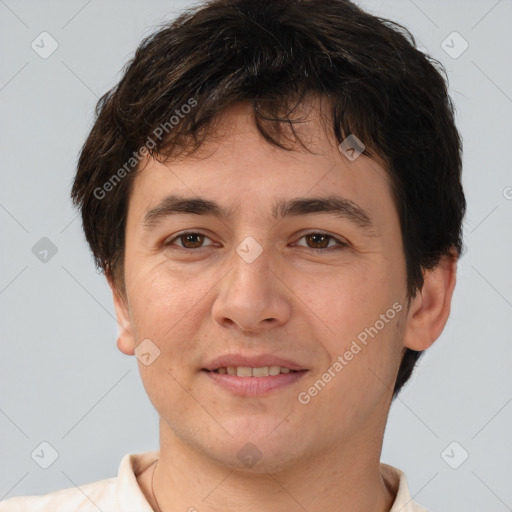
302	305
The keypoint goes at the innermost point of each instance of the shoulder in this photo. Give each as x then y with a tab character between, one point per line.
117	494
397	482
86	498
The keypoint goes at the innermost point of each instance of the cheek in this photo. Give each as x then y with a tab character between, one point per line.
348	300
361	311
364	361
165	307
165	310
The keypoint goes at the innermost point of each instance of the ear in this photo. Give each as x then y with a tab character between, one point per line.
125	341
430	308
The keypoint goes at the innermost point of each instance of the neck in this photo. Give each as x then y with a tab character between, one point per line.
345	478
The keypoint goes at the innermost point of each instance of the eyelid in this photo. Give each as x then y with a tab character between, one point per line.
169	240
339	242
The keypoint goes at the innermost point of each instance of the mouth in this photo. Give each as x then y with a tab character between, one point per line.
247	371
255	376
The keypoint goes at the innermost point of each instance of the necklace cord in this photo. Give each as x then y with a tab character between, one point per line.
152	489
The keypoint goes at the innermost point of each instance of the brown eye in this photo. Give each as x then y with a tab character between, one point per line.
192	240
317	241
188	241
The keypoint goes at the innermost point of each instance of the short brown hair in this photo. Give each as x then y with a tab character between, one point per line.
380	87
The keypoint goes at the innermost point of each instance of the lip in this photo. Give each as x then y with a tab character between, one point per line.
254	386
258	361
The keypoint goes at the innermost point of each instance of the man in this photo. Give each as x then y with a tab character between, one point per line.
273	192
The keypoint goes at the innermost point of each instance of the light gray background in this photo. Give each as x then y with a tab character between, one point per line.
63	380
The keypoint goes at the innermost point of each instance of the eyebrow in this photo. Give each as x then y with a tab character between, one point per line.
335	205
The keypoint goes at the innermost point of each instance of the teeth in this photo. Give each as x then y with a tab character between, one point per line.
274	370
243	371
246	371
260	372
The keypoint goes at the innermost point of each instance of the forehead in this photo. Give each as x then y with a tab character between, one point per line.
236	166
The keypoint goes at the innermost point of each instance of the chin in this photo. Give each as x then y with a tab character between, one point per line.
259	459
260	447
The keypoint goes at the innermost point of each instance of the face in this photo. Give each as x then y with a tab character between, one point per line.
289	273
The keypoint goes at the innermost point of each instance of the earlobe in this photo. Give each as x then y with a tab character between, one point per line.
125	341
430	308
125	345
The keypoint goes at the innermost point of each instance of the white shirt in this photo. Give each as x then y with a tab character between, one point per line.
123	494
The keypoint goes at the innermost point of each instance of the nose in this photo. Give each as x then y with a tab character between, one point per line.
252	298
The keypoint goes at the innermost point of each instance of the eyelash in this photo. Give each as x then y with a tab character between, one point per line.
339	244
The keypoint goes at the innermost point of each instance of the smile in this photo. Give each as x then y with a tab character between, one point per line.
253	381
246	371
